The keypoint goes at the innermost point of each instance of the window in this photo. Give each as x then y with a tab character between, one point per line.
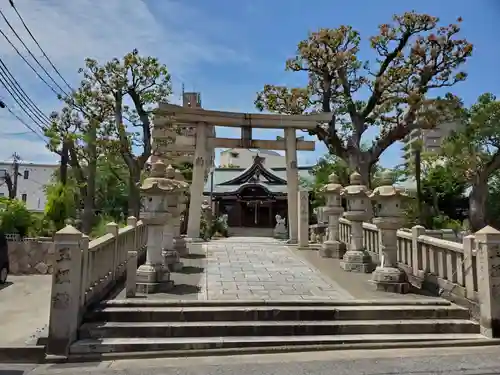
26	174
24	197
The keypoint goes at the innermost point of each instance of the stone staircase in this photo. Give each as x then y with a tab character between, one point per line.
128	326
250	232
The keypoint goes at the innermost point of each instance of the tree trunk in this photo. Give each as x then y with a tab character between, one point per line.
63	168
477	205
418	179
89	200
134	197
356	163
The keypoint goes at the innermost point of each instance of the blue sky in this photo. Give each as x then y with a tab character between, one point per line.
227	50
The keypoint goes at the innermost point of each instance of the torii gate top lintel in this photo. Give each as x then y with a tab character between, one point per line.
192	116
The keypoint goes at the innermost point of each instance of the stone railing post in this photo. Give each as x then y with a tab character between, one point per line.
131	264
131	281
488	261
387	276
303	233
332	247
132	221
112	228
416	252
85	268
356	258
468	246
65	296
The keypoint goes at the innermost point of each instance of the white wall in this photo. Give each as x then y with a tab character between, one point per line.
245	158
38	176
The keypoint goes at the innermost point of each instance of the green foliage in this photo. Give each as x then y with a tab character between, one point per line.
112	189
473	154
60	203
14	217
229	166
414	56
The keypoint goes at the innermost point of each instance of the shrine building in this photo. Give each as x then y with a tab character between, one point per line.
252	196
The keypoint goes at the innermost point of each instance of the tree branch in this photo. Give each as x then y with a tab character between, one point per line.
377	90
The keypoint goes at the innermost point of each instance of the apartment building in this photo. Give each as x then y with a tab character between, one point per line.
31	180
432	139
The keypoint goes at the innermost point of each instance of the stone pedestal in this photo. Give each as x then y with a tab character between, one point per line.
332	247
280	231
158	190
171	256
356	258
387	276
303	203
153	276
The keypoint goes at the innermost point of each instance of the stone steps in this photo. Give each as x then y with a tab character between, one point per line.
275	328
250	232
280	311
148	325
128	345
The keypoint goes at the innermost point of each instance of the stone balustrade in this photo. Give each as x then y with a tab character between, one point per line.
84	273
439	264
397	258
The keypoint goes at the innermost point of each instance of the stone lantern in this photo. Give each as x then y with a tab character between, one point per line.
153	276
174	196
356	258
332	247
179	241
387	276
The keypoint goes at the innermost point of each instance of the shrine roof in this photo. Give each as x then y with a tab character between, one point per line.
230	180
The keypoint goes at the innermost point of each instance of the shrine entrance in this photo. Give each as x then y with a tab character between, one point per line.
256	207
254	212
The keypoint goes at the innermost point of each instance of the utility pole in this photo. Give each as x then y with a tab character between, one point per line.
15	166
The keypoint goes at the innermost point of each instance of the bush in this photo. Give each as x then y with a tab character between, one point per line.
15	217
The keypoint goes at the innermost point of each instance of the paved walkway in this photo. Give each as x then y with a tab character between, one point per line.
249	268
24	308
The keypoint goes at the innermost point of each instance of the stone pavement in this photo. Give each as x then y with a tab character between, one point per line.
250	268
24	308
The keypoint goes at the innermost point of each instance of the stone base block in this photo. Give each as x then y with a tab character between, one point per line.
170	257
280	236
390	279
152	288
357	261
176	267
332	249
194	247
399	288
180	246
153	279
193	240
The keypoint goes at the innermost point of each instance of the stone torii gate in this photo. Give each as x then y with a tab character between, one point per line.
199	137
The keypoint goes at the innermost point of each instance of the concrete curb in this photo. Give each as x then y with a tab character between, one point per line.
274	350
22	354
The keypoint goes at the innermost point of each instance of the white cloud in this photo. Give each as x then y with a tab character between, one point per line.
70	31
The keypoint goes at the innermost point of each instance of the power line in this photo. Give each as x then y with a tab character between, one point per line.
31	53
20	93
4	105
19	104
29	64
38	45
